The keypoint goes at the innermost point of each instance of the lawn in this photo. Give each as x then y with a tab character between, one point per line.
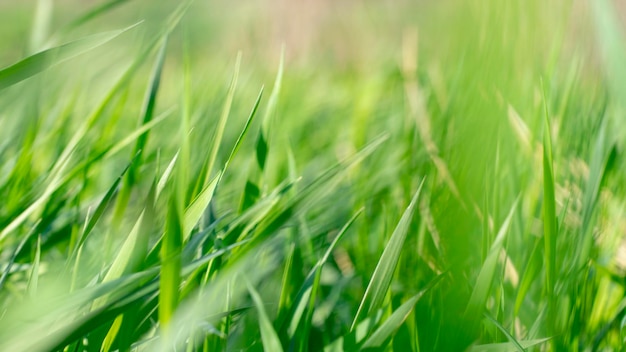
312	175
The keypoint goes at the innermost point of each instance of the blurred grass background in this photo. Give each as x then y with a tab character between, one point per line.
511	112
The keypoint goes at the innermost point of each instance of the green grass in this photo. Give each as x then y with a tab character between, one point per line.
194	176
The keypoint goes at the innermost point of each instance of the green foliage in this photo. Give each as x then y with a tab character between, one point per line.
421	177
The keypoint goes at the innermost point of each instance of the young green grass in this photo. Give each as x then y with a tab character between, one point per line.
459	191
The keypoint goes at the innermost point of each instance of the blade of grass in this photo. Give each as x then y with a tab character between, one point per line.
146	118
196	209
352	340
397	318
245	129
150	99
41	61
383	274
130	255
33	279
18	250
268	334
506	333
508	346
262	146
482	288
599	166
112	334
102	206
95	12
170	254
533	267
307	295
549	205
165	176
41	25
218	134
174	236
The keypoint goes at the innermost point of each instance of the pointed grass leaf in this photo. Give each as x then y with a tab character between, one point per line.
307	294
107	343
397	318
262	146
95	12
150	99
269	337
261	151
140	131
18	250
251	194
245	129
549	206
273	100
389	326
484	281
506	333
383	274
508	346
171	248
41	61
124	255
33	279
218	135
351	340
198	206
533	268
147	114
165	176
102	206
599	166
41	25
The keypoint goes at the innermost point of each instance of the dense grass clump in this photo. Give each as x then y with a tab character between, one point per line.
203	176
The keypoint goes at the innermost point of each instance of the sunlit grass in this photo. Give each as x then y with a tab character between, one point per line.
412	177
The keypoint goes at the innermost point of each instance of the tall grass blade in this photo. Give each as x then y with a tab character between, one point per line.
170	254
41	25
33	279
268	334
146	118
245	129
482	288
262	147
102	206
218	134
549	206
41	61
383	274
196	209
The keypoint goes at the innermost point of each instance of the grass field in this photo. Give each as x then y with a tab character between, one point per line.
308	176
